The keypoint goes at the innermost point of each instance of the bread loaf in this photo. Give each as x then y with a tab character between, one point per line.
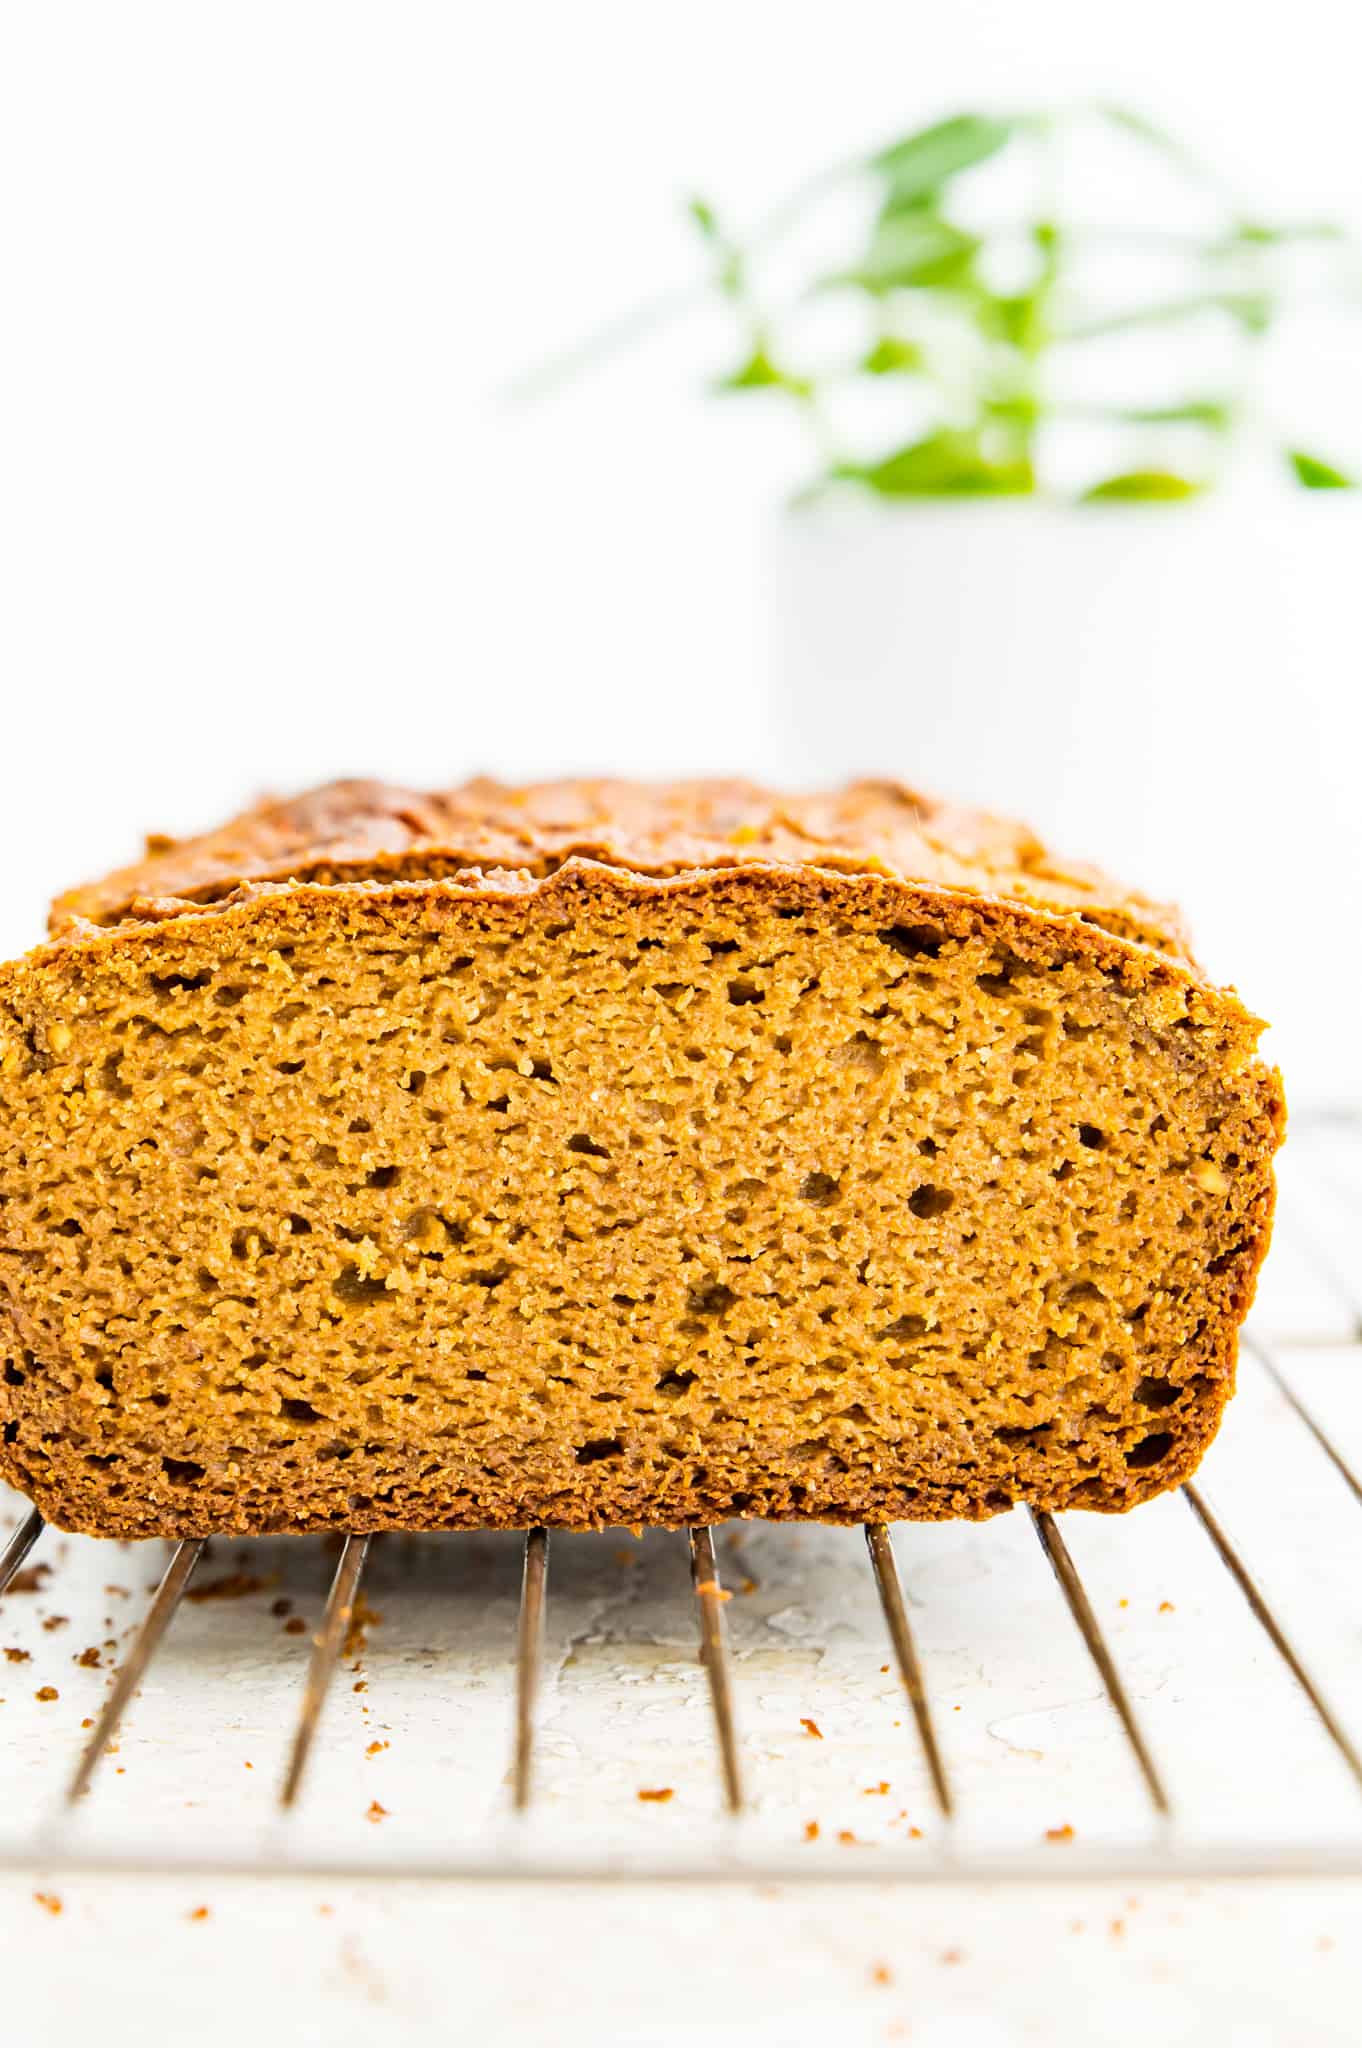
591	1154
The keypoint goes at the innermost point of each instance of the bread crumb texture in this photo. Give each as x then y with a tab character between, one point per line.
590	1155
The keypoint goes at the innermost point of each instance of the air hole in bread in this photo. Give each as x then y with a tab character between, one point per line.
598	1449
912	941
181	1471
350	1285
1149	1451
742	991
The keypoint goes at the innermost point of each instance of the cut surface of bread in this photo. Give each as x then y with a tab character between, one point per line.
657	1166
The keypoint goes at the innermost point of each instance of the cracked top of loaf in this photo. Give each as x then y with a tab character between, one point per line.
356	831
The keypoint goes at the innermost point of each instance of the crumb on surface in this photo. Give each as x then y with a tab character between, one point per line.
1167	1607
811	1831
45	1693
657	1793
1064	1834
881	1974
51	1621
231	1586
18	1656
89	1657
872	1790
811	1727
199	1913
376	1812
296	1626
49	1901
361	1619
30	1579
845	1835
282	1606
374	1748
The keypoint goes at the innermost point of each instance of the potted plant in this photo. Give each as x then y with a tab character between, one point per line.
1064	538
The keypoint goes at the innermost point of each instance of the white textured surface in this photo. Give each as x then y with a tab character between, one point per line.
321	1965
446	1897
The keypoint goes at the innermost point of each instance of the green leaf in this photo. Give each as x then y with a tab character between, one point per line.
892	357
1146	486
1253	310
946	464
761	373
916	167
1317	475
1019	410
1018	320
911	251
704	216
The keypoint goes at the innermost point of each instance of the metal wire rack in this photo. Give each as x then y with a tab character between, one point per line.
1276	1706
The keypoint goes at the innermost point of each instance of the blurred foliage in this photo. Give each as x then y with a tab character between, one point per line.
979	327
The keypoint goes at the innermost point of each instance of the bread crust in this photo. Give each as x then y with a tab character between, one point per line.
357	831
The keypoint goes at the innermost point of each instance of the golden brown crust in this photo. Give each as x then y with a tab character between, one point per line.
353	831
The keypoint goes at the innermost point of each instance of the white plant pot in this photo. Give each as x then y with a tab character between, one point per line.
1171	690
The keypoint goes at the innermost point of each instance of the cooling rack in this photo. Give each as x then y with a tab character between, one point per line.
1178	1691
